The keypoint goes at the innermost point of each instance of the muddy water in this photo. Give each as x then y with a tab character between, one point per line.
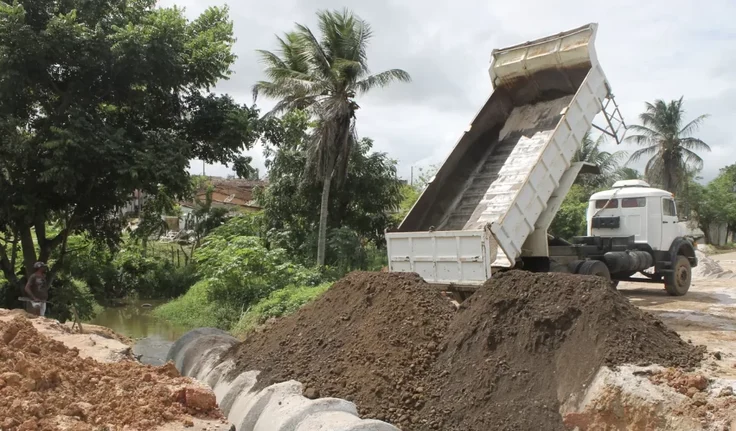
152	336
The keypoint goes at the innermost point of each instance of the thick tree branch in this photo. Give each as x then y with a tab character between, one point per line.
29	249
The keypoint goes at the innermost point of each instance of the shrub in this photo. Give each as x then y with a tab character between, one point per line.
278	304
192	309
240	271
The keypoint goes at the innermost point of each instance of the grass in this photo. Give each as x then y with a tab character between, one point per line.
277	304
190	310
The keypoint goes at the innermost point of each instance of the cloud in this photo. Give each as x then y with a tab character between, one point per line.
660	49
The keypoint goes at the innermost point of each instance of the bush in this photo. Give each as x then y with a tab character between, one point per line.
194	309
129	272
67	293
240	271
150	277
278	304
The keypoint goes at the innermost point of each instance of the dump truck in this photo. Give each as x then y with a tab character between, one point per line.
490	204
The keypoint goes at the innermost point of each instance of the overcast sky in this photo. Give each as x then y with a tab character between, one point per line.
648	49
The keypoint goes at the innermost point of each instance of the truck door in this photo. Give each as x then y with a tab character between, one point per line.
669	223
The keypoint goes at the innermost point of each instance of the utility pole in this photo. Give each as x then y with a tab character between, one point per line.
411	180
203	168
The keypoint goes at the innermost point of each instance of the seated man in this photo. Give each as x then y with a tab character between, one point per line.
37	289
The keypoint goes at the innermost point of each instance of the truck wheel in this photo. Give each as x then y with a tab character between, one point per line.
595	267
678	281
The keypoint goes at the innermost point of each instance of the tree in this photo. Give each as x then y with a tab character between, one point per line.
98	99
608	163
364	204
668	143
570	219
323	76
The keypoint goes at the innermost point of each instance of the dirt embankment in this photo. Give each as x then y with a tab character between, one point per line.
519	348
46	385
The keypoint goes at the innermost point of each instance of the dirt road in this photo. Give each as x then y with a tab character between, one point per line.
706	315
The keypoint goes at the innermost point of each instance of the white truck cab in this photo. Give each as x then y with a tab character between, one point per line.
633	207
632	228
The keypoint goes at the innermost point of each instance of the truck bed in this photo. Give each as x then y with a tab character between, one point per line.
503	171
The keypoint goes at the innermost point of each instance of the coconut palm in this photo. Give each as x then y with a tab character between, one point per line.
670	145
608	163
323	76
627	173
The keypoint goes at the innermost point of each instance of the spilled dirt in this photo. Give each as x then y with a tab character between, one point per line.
523	345
46	385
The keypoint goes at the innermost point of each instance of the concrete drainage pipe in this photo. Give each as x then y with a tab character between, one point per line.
279	407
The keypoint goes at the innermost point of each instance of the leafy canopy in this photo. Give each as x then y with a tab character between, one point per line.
363	205
100	98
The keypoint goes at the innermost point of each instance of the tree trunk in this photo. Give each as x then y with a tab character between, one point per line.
323	213
29	249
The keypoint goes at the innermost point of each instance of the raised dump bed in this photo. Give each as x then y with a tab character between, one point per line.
492	190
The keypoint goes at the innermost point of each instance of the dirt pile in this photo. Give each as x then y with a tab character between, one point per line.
372	338
521	346
45	385
524	342
709	268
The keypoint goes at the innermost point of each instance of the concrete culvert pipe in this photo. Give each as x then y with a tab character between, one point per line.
279	407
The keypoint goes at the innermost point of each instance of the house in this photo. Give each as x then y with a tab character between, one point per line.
232	192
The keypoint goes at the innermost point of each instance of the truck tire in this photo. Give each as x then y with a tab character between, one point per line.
595	267
677	283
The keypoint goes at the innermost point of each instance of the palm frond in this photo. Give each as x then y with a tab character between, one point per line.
638	154
693	126
382	80
694	144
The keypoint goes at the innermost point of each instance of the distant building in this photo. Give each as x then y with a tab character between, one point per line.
235	193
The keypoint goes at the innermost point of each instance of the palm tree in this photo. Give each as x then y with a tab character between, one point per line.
608	163
627	173
323	76
670	145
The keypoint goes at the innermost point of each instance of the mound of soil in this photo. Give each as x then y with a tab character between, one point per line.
45	385
371	338
519	348
525	341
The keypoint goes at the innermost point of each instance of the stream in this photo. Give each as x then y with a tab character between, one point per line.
152	336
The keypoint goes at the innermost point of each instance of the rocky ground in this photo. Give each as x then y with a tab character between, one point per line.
53	378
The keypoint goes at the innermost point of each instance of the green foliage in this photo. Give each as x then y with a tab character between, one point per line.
236	271
194	309
668	144
570	219
323	75
277	304
715	202
101	98
608	163
71	293
363	205
150	277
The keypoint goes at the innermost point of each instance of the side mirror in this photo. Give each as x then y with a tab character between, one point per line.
683	218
